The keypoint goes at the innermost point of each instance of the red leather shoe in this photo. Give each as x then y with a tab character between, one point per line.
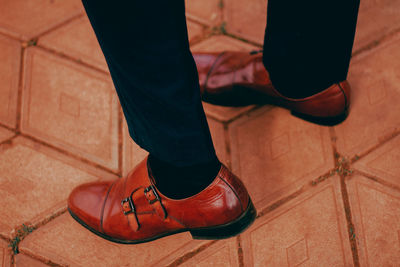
240	78
131	210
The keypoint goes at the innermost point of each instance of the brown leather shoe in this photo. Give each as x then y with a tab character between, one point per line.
131	210
240	78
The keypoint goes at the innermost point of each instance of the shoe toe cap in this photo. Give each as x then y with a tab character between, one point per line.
86	202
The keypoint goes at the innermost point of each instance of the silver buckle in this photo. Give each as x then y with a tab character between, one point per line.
147	189
131	206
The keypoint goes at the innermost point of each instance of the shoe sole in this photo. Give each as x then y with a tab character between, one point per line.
208	233
242	96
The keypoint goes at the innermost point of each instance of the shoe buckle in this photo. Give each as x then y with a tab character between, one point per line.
127	206
153	198
150	192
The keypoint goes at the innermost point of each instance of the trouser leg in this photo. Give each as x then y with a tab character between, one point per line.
146	47
307	44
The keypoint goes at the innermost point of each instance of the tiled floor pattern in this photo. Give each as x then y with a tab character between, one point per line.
326	196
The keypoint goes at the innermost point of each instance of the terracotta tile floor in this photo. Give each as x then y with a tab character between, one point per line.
326	196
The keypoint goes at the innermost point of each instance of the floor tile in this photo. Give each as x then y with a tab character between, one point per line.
376	215
22	260
5	254
246	19
225	114
195	30
221	254
221	43
374	113
64	241
383	162
77	40
376	18
71	107
5	134
275	153
308	231
10	53
35	182
204	11
25	19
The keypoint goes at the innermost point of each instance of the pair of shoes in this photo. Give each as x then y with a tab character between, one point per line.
131	210
240	78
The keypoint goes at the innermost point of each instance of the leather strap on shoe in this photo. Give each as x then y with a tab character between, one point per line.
128	207
129	210
154	200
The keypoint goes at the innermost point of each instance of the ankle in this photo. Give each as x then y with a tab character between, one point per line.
182	182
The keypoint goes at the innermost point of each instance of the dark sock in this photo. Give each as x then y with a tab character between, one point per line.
182	182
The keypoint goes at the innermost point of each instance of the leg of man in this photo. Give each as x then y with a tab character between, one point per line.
146	47
181	186
307	49
307	45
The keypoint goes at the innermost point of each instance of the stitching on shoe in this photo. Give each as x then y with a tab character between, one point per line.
211	70
104	205
233	190
344	95
175	219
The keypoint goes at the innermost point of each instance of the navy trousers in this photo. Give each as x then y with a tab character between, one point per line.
307	47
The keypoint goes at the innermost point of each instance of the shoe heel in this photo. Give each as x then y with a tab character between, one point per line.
227	230
326	121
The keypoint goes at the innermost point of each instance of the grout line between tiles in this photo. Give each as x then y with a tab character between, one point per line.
350	225
240	251
302	189
381	141
10	36
256	107
49	218
343	169
58	26
242	39
22	231
13	263
204	22
207	33
5	238
7	127
187	256
41	259
221	7
194	20
69	154
245	113
375	43
70	58
19	95
280	202
9	140
377	179
333	136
